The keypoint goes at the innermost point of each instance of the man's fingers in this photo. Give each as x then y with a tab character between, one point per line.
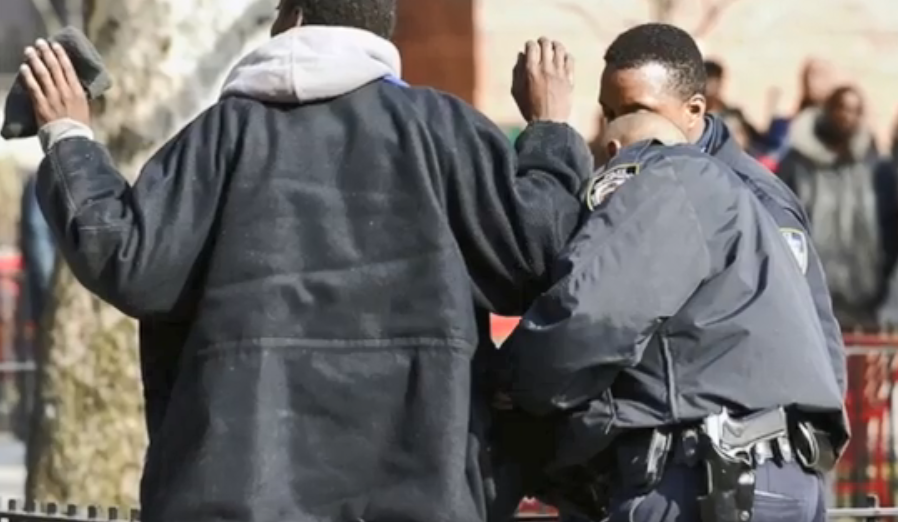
520	65
41	74
533	54
517	71
52	64
547	53
68	70
560	55
570	68
33	86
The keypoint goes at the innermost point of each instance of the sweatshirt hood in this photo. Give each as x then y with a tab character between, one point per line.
311	63
804	139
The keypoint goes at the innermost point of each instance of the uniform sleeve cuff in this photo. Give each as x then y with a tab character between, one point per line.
58	130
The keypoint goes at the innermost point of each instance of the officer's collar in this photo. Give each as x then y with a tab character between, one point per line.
633	151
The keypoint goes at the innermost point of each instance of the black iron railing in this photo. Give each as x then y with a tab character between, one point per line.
16	511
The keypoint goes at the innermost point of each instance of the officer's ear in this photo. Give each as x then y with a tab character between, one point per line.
612	148
696	106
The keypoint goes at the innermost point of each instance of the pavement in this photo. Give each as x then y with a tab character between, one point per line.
12	467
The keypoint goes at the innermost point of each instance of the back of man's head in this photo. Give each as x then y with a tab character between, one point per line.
376	16
636	127
665	45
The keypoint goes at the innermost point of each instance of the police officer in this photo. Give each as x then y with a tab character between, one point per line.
683	345
659	68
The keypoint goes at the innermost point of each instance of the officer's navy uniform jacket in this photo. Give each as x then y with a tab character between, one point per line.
789	213
677	297
304	259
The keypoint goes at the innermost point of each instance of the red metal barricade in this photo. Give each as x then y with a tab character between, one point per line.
868	466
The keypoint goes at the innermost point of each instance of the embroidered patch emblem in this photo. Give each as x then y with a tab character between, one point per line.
798	243
605	183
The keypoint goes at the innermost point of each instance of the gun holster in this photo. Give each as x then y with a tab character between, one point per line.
731	450
731	486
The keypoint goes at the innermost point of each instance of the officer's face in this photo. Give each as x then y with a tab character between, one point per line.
648	88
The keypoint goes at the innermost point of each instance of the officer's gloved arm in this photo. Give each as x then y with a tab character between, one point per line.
638	258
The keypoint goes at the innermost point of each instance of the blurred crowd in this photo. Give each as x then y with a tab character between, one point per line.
824	151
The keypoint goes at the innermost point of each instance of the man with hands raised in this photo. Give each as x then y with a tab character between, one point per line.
312	260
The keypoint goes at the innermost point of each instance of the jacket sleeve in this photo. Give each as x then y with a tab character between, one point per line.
511	209
638	258
816	277
136	247
832	332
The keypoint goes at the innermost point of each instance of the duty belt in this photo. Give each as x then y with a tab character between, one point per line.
729	449
758	438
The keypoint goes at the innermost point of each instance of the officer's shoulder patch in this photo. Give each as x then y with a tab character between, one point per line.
606	182
798	244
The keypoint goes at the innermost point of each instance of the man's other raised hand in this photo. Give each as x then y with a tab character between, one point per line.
543	81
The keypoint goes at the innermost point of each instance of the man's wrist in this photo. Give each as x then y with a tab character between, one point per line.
548	119
55	131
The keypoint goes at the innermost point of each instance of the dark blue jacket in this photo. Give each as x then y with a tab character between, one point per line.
677	297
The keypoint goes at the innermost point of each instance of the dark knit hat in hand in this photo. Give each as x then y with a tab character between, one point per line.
88	64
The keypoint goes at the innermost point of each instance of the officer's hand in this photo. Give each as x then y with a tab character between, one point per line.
543	81
502	402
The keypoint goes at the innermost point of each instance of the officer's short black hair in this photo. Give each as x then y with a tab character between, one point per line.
376	16
663	44
713	69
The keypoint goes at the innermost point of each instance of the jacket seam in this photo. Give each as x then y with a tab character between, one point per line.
345	345
104	228
670	377
693	214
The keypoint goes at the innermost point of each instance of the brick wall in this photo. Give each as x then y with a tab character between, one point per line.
437	42
762	42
